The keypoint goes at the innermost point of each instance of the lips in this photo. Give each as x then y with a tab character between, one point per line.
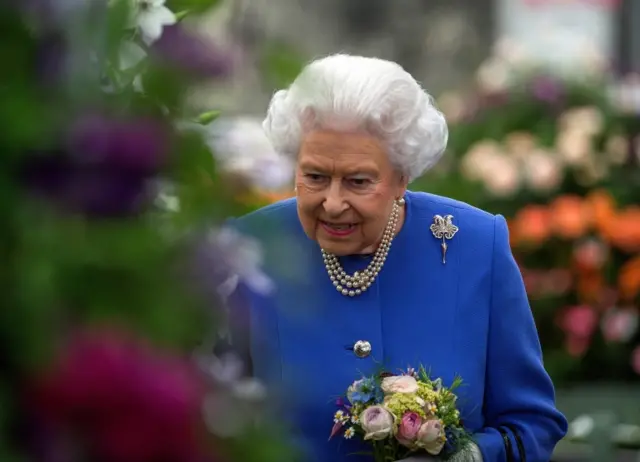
338	229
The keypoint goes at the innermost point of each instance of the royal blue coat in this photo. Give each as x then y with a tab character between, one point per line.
469	317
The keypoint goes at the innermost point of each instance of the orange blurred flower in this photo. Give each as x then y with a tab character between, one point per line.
531	225
629	279
624	230
570	216
603	210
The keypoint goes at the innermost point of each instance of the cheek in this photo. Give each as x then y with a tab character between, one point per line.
308	203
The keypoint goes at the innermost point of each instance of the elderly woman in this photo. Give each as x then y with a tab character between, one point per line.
363	280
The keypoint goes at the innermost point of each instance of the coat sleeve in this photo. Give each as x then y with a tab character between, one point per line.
519	397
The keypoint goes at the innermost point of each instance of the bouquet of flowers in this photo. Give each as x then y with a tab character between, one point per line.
402	415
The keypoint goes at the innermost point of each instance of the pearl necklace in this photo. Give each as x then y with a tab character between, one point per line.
360	281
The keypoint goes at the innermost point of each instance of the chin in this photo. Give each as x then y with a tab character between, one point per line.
337	248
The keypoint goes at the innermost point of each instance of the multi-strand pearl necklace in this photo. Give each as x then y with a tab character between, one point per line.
360	281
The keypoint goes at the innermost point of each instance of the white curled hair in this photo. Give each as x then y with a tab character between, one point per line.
343	92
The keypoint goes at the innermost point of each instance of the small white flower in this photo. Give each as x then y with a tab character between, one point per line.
249	390
168	202
581	427
349	433
225	369
241	147
242	258
150	16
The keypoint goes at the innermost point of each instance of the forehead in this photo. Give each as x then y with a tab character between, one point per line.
329	149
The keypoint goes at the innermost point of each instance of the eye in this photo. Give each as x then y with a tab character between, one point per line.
359	182
314	177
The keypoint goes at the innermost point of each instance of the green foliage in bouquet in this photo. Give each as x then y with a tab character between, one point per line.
111	206
559	159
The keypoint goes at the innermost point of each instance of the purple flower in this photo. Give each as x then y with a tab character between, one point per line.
547	89
104	168
139	146
189	54
90	190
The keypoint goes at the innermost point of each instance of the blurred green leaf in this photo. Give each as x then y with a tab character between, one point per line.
192	6
280	64
207	117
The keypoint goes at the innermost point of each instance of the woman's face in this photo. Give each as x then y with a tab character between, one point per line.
346	187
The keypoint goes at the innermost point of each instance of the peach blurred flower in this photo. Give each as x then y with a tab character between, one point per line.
617	149
453	106
512	52
592	170
532	224
494	75
586	119
476	162
574	146
570	216
520	144
619	325
542	171
502	177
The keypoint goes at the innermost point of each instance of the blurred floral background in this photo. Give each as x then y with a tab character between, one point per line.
131	133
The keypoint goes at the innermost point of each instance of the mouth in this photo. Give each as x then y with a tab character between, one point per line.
338	229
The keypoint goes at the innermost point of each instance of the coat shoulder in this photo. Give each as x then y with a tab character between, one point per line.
477	223
281	213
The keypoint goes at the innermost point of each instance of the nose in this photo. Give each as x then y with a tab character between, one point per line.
334	203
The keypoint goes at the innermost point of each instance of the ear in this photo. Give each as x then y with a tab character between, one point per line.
403	184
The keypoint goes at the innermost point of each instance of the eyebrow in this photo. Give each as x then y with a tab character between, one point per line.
367	171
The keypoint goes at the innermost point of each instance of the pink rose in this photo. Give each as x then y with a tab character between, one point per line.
431	437
399	384
408	429
376	422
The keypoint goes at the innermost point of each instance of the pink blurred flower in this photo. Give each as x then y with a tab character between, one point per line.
619	325
590	254
578	323
408	429
123	400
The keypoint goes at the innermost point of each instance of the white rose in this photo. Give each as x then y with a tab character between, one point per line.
399	384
